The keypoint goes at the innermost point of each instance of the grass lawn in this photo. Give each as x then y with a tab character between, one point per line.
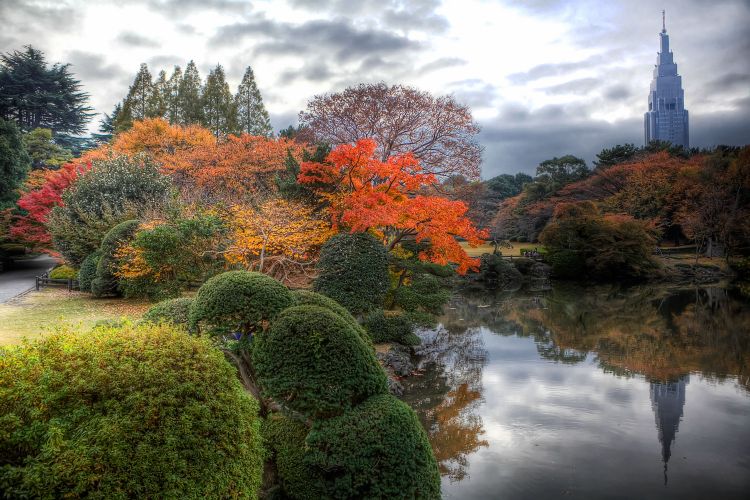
38	313
516	250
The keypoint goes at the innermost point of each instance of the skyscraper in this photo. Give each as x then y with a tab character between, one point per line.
666	118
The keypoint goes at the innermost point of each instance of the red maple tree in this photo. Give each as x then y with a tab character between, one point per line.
392	199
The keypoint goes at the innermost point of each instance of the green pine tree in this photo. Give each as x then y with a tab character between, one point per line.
173	85
189	101
43	151
219	112
252	116
159	99
34	94
138	102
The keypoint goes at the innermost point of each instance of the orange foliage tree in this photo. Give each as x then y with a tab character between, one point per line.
236	166
276	238
388	198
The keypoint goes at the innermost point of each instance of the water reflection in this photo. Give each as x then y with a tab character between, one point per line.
653	334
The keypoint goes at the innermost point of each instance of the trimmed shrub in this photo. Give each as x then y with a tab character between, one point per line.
63	273
137	412
175	311
238	301
495	271
315	363
376	450
87	272
105	282
426	292
306	297
396	327
353	271
285	440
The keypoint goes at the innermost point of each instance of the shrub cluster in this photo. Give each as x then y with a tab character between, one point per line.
238	301
353	270
306	297
314	362
396	327
134	412
63	272
425	293
87	272
105	281
175	311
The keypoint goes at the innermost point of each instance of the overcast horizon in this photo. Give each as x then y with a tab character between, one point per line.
543	78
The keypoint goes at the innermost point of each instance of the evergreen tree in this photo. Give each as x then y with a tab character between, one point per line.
14	163
252	116
219	112
107	125
137	103
173	86
159	99
34	95
189	96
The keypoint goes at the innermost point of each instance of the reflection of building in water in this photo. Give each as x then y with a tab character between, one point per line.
668	401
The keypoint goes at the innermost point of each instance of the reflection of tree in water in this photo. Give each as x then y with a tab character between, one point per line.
448	396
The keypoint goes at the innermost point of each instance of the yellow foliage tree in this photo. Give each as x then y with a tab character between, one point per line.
277	237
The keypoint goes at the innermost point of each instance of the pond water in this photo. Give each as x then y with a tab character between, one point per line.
594	392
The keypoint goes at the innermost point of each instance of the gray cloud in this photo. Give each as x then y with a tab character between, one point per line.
135	40
580	86
314	72
555	69
441	63
91	67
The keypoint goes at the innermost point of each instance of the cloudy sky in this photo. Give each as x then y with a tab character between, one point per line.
543	77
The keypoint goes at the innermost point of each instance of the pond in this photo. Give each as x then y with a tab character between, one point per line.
596	392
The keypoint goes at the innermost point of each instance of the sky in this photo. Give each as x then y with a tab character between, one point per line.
543	78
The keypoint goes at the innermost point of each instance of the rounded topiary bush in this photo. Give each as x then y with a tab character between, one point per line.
63	273
176	311
376	450
395	327
238	301
426	293
353	271
306	297
105	282
87	272
313	362
285	441
136	412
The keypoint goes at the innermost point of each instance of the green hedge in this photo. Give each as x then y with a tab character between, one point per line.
63	273
285	440
175	311
105	282
394	327
238	301
306	297
136	412
353	271
87	272
376	450
426	293
313	362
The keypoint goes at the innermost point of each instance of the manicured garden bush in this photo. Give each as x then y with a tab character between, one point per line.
495	271
238	301
313	362
63	273
426	293
87	272
353	271
306	297
135	412
105	282
375	450
176	311
285	441
393	327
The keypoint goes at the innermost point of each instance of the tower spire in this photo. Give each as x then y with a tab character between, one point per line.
663	21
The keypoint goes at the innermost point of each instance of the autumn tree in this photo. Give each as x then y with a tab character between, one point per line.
252	116
277	237
161	140
439	131
365	193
